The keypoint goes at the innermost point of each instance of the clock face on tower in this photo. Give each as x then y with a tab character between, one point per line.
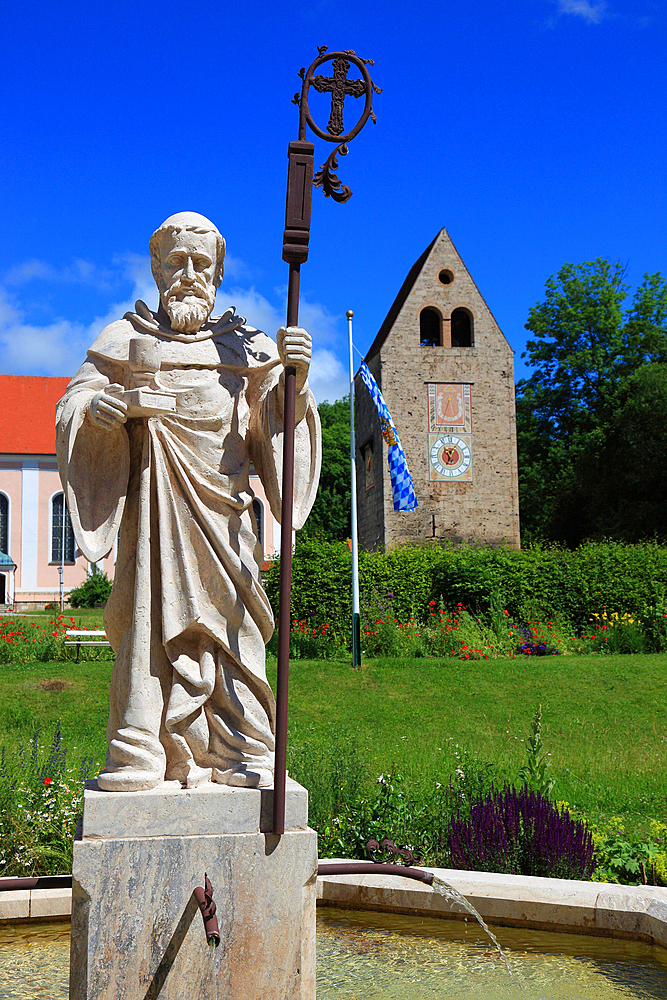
450	457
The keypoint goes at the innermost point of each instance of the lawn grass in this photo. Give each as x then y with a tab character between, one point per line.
30	701
604	720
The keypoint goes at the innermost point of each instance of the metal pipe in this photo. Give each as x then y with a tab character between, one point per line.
284	607
204	897
371	868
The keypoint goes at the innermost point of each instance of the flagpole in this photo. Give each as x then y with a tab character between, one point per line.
356	622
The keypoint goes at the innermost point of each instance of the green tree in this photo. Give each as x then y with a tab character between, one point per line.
624	475
330	516
586	346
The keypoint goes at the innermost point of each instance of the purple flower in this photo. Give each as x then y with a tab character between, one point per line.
521	833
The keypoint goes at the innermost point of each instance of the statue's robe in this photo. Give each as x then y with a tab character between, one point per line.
187	617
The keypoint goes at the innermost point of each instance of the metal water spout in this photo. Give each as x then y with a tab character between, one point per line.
204	897
372	867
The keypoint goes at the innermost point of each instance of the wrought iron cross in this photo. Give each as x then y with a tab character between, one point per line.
339	87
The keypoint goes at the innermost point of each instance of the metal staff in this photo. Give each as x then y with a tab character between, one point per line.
300	180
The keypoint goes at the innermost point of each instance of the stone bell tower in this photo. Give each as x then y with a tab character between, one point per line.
446	372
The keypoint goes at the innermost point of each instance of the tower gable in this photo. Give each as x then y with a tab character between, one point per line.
439	281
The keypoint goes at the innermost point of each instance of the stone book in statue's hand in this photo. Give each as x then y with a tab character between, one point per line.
143	402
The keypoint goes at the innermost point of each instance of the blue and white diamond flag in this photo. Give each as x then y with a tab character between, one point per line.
401	481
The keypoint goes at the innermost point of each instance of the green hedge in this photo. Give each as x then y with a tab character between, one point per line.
536	582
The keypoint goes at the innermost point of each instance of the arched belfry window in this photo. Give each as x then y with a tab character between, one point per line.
430	327
462	330
60	532
258	510
4	524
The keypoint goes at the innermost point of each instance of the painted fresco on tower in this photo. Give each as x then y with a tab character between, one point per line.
450	427
449	407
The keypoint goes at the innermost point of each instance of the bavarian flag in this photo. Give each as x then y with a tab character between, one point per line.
401	481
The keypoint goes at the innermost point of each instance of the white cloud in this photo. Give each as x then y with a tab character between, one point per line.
323	326
59	347
328	376
37	350
137	269
591	11
81	272
236	268
256	308
329	379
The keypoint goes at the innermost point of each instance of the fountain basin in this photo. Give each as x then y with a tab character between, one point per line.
362	954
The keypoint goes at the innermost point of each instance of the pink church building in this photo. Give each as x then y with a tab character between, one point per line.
32	534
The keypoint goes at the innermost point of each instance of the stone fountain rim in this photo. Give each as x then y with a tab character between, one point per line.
604	909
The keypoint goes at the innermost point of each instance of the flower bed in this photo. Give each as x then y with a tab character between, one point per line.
462	635
22	640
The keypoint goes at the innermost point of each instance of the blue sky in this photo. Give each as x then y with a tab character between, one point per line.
534	130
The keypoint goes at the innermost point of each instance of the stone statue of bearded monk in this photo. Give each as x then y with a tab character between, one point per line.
156	436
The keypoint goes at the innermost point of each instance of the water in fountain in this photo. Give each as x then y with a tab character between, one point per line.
449	892
397	957
370	954
212	947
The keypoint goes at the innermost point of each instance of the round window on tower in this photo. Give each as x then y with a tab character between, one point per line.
446	276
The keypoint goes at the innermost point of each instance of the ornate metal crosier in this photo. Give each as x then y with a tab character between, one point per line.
300	181
339	87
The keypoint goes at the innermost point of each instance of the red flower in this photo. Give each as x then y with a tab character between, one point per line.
47	781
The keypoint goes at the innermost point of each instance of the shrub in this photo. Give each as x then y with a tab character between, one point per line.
630	860
538	583
521	833
349	805
94	591
321	582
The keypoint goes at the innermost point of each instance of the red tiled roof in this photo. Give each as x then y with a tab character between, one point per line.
28	413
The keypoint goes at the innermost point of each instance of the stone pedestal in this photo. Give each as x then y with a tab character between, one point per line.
137	933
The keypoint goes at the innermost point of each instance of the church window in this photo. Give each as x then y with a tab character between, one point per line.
258	509
462	331
4	524
446	276
430	327
61	532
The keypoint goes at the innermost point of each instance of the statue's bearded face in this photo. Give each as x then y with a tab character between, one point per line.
187	288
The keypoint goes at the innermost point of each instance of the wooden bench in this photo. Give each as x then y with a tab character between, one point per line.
91	634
